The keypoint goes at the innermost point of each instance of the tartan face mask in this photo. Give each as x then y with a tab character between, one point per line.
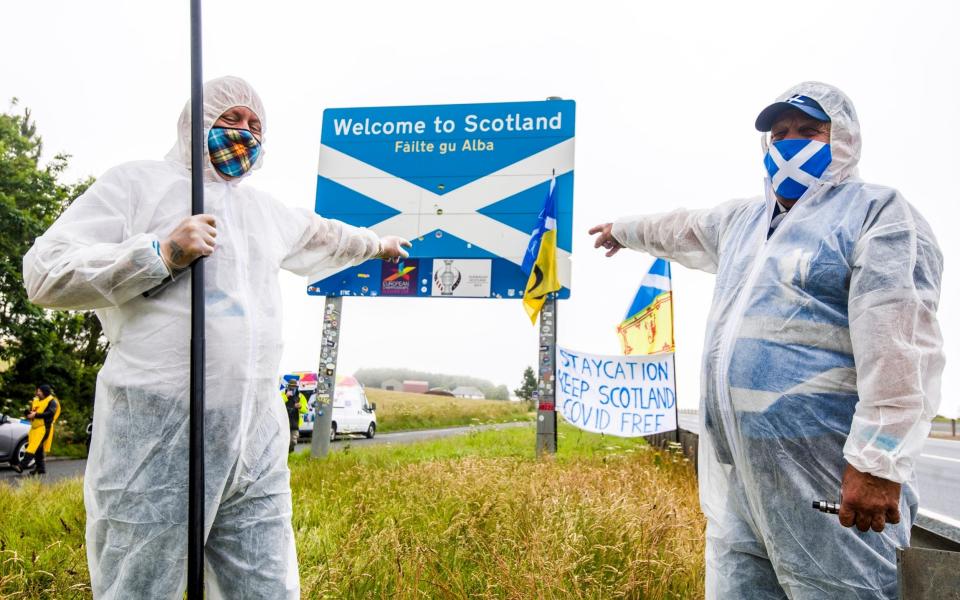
233	152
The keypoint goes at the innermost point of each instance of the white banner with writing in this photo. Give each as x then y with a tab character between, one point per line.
625	396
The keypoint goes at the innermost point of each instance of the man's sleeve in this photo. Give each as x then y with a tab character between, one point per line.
688	237
88	259
327	243
897	346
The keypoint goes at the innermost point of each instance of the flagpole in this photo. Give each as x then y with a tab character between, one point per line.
673	337
195	517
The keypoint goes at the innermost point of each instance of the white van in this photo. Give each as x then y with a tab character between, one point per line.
352	413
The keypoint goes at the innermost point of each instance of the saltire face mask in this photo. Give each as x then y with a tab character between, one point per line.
233	152
796	164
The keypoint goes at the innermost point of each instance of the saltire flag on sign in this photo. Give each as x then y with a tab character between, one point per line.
540	260
648	326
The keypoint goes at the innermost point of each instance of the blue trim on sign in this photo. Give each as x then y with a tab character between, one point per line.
506	277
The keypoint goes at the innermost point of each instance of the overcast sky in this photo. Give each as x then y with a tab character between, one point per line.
666	97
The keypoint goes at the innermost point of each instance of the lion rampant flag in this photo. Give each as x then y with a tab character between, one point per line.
648	327
540	261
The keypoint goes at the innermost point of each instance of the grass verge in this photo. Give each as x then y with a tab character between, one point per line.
472	516
400	411
69	450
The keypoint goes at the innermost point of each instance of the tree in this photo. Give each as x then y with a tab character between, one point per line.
374	377
528	386
501	392
64	349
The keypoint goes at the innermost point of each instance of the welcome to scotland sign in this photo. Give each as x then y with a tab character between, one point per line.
463	182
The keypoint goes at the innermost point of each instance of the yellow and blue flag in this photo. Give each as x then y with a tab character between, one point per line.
648	326
540	260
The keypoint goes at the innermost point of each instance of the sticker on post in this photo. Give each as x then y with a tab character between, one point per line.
461	278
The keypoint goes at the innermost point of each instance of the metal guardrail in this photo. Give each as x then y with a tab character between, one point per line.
928	570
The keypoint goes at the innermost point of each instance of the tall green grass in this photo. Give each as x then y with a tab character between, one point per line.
42	552
400	411
472	516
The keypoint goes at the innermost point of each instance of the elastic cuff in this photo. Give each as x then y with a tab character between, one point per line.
613	232
888	470
156	246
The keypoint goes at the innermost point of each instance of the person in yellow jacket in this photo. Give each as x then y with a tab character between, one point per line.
44	412
296	405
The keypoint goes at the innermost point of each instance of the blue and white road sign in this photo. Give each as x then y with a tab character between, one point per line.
463	182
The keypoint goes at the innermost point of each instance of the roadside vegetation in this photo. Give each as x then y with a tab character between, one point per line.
472	516
62	348
400	411
376	376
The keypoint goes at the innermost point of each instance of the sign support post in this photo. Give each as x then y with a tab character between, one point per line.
326	377
546	392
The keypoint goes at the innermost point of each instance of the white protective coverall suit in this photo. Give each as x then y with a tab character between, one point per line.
101	254
822	346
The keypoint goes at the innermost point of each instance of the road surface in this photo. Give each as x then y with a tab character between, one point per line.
63	469
407	437
938	473
943	429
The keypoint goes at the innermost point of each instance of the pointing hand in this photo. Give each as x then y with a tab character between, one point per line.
392	248
605	238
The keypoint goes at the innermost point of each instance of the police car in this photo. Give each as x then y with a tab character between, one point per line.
352	412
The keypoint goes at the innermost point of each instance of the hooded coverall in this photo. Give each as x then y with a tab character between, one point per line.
822	350
102	254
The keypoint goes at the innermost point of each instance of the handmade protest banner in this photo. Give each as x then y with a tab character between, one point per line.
625	396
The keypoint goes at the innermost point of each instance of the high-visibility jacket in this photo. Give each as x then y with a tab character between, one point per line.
41	427
303	408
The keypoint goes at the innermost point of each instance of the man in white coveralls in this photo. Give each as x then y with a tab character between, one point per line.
822	362
111	250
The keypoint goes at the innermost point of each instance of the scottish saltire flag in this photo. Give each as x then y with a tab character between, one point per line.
540	260
648	326
795	165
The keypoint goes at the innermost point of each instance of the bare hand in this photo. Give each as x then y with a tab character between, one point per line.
392	248
605	238
194	237
868	501
32	414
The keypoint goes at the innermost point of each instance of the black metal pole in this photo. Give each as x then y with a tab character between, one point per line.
195	528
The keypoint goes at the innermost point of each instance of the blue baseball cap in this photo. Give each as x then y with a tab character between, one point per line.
804	104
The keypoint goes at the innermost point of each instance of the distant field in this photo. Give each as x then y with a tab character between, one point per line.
400	411
472	516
